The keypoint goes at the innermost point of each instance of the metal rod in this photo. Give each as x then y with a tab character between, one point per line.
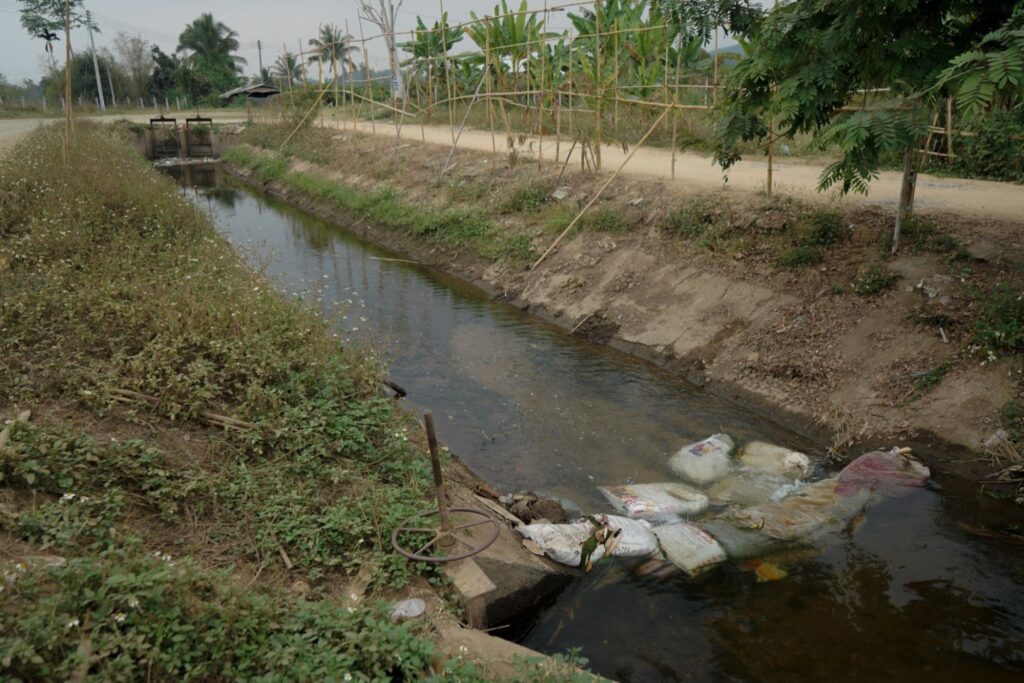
435	463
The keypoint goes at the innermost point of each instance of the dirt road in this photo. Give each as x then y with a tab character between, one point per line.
792	177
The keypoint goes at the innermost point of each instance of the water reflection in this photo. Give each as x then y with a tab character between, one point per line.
906	595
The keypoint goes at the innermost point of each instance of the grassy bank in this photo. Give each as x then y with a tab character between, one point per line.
137	540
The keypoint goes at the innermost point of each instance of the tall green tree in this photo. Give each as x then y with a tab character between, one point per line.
334	48
288	71
812	60
209	48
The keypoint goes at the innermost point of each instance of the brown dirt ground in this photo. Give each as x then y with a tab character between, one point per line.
724	311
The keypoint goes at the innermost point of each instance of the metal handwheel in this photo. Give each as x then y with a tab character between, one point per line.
460	532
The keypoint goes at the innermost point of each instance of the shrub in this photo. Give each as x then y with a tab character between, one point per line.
528	197
799	256
605	219
873	280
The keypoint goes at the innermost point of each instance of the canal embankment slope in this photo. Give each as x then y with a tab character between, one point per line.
202	480
795	308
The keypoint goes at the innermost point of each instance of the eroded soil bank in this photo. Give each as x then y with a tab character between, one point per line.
792	308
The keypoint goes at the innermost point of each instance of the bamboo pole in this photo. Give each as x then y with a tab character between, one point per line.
351	84
615	113
320	72
714	93
366	72
447	72
600	83
949	127
604	187
543	71
675	112
490	75
572	87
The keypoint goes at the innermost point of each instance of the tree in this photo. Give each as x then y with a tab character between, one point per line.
811	62
427	47
42	18
333	48
169	76
136	59
288	70
209	47
382	15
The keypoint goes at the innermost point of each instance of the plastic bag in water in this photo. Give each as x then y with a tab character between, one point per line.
890	473
745	487
656	502
705	461
775	460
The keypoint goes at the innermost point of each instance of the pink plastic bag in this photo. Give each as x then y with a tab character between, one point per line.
889	473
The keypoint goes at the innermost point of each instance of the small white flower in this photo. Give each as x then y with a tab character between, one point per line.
133	602
67	497
72	624
120	617
347	677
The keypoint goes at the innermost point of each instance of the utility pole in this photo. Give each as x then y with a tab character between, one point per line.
259	50
113	97
95	63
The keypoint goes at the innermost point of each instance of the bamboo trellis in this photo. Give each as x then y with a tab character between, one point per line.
563	97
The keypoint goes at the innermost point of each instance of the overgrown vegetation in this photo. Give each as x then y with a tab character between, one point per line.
1000	325
322	475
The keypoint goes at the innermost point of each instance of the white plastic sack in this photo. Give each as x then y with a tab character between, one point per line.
775	459
621	537
632	537
656	501
563	543
746	486
689	548
705	461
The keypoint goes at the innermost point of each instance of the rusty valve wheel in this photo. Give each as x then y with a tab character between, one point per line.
446	542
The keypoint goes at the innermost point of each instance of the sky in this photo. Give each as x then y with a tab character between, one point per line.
275	23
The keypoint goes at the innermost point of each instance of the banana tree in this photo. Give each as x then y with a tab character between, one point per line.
428	48
511	36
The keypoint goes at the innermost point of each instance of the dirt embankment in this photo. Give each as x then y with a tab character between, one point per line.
792	308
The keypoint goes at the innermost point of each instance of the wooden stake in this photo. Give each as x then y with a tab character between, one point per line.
543	71
603	188
489	75
949	128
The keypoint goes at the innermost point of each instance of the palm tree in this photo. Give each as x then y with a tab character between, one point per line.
208	42
288	69
334	48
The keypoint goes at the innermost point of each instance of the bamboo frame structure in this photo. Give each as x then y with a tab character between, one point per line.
509	81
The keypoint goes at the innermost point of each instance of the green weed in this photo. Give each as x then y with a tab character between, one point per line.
605	219
1000	325
873	280
528	197
799	257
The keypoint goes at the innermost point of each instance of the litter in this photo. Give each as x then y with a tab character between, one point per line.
689	548
739	543
705	461
765	571
775	459
590	539
889	473
407	609
656	502
746	487
814	507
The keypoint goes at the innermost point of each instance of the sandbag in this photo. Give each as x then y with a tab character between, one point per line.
689	548
889	473
656	502
705	461
592	538
775	460
745	487
563	543
631	537
811	509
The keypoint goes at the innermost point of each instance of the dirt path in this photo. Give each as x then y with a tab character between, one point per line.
979	198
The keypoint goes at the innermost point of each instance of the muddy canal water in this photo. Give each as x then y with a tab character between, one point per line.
909	594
